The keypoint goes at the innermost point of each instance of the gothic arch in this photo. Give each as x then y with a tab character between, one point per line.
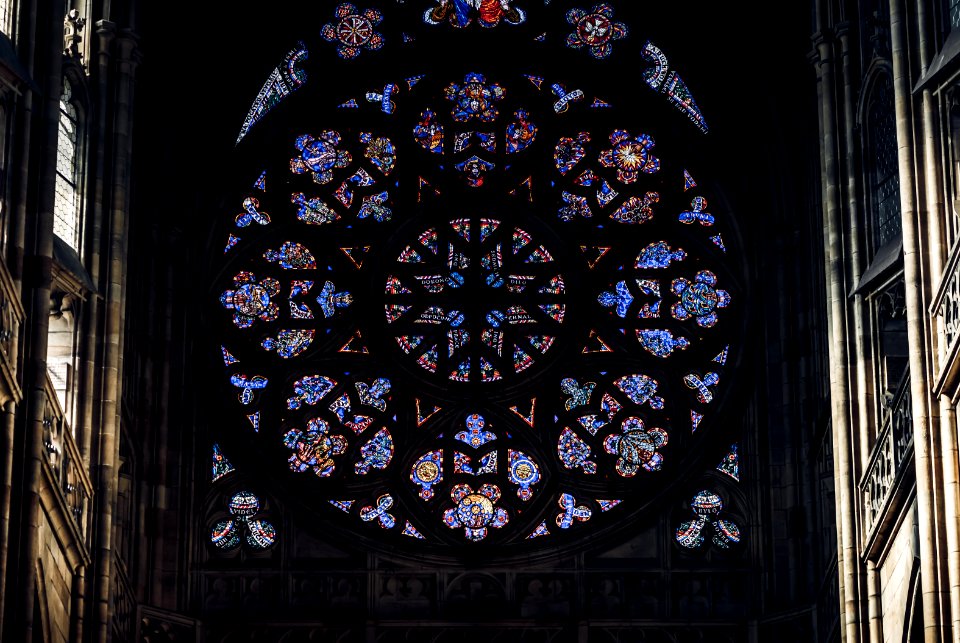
877	86
76	114
913	630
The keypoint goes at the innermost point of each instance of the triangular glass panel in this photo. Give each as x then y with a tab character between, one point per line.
594	254
462	227
722	357
356	255
541	530
426	184
413	80
526	187
228	358
731	464
423	417
410	530
527	417
221	466
695	419
596	345
343	505
607	505
355	345
537	81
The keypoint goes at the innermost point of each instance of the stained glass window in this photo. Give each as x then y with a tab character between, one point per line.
476	307
243	526
220	465
723	533
67	201
882	159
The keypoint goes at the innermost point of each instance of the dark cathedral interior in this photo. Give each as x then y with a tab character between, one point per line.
538	321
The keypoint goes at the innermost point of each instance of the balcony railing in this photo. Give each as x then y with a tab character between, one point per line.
11	318
124	603
828	604
892	456
946	309
949	302
71	479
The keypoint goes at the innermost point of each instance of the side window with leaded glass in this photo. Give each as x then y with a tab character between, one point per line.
881	165
66	222
6	19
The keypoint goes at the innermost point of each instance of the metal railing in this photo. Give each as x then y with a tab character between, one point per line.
73	483
11	319
124	603
892	454
947	302
828	604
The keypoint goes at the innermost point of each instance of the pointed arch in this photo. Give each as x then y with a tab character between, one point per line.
881	179
41	607
71	153
913	611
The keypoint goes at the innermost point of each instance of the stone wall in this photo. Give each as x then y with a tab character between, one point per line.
895	580
54	585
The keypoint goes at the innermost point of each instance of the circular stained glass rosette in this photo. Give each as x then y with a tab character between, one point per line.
472	310
475	300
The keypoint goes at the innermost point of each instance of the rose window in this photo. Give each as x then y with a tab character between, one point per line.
481	309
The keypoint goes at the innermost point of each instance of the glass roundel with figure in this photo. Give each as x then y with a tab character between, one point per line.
485	304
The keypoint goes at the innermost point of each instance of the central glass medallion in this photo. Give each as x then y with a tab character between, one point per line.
475	299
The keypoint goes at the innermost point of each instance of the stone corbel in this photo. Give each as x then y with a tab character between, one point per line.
73	25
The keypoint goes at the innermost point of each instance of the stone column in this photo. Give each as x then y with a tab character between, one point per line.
855	254
862	411
19	167
944	431
97	206
948	440
916	315
114	299
6	491
838	339
36	286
